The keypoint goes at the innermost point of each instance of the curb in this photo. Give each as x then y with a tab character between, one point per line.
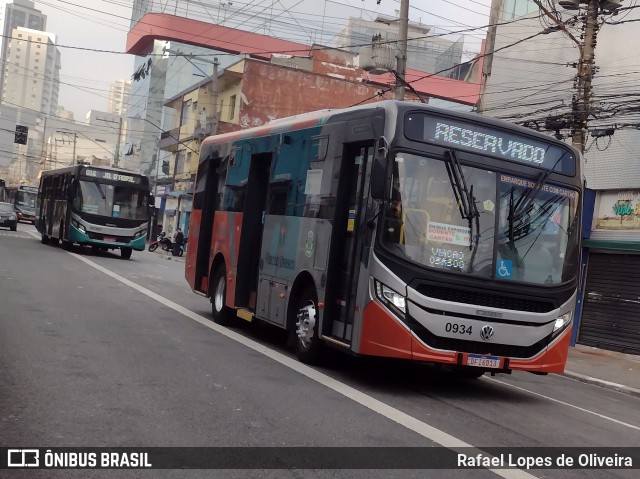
602	383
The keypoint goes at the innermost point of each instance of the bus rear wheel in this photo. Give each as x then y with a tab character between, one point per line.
44	239
221	314
125	253
308	345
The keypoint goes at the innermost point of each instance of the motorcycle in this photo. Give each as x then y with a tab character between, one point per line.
167	245
163	242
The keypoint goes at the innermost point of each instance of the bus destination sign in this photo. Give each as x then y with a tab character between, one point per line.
490	141
111	176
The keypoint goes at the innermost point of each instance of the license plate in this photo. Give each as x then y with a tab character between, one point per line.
110	238
480	361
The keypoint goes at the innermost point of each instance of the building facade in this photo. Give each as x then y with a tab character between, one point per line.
20	13
118	100
532	83
32	71
429	54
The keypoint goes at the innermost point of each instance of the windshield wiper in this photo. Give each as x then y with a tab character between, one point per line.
524	204
464	196
104	197
525	201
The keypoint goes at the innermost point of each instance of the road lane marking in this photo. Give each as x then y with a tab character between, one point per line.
602	416
423	429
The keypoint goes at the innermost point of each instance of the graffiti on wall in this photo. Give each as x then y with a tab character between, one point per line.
618	210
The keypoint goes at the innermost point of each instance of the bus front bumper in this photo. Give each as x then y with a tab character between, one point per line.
383	334
111	242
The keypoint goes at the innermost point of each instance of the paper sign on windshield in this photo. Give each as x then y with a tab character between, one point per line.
451	234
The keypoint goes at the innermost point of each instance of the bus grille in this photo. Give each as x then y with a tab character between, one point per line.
484	298
476	347
100	237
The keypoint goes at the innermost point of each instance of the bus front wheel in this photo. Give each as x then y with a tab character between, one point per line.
125	253
221	314
307	342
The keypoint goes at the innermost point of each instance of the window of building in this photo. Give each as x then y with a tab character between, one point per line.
232	107
185	116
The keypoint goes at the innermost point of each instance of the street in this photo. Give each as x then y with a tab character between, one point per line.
99	351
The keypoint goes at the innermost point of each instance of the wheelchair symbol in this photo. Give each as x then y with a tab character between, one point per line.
504	268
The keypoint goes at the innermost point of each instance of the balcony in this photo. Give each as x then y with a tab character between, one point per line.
169	140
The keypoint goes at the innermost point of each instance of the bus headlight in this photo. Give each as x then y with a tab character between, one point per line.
562	321
139	234
390	298
79	226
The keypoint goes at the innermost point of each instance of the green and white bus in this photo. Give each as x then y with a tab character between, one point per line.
104	208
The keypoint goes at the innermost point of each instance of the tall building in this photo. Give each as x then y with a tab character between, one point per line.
119	93
20	13
32	71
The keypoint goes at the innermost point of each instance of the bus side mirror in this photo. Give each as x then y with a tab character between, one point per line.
379	169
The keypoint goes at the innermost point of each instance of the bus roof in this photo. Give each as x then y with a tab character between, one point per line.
76	168
393	107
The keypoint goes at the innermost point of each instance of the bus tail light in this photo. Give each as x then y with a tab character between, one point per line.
390	298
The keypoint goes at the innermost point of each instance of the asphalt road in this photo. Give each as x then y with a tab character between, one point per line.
99	351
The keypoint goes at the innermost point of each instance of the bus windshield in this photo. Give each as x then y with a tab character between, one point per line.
26	199
425	223
116	201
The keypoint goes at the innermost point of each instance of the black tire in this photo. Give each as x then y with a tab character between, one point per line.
126	253
164	246
14	228
153	247
220	313
308	349
44	239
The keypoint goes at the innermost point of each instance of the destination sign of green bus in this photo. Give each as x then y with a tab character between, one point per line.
111	175
490	141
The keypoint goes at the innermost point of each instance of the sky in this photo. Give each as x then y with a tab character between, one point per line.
83	26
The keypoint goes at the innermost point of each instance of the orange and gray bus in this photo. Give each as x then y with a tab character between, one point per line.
394	229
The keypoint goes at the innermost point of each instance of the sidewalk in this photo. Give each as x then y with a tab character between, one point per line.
608	369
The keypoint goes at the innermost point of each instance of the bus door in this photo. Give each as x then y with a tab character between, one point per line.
204	199
252	229
346	243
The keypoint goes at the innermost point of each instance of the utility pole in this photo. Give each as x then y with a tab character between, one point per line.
402	50
75	139
116	159
581	103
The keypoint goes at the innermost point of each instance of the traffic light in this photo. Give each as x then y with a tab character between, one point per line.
21	135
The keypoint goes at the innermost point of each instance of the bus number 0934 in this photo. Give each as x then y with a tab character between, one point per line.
457	328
